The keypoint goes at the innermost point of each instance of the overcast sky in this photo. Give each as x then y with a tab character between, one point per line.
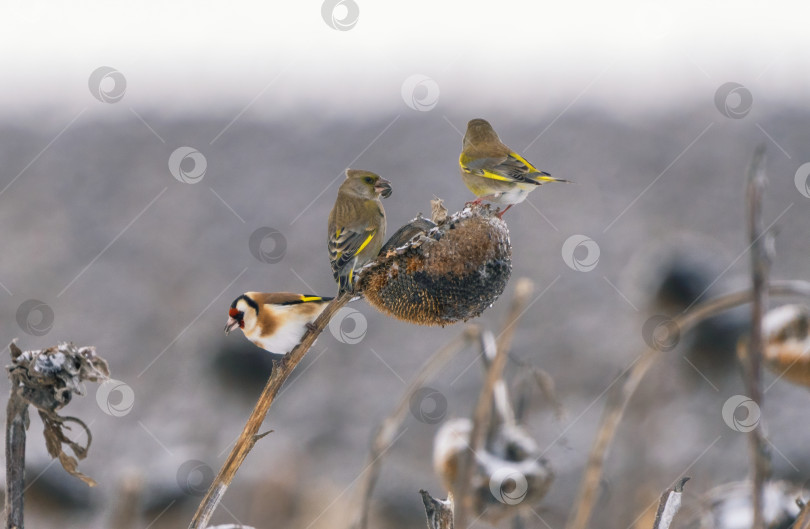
283	56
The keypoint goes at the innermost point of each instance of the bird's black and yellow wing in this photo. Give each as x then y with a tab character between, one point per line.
287	298
511	168
344	246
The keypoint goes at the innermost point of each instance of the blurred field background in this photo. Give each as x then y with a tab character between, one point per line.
621	99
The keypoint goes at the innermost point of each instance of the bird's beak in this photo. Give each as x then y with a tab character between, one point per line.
231	325
383	187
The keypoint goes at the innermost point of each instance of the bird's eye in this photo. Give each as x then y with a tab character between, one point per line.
368	180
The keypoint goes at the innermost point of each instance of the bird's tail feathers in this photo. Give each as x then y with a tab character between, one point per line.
345	280
545	177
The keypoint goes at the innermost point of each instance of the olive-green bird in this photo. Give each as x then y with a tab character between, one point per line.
493	171
356	225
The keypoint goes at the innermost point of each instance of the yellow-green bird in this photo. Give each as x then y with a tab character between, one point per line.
493	171
356	225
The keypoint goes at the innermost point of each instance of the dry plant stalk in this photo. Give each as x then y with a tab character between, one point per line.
586	498
483	408
669	505
126	507
612	415
17	421
803	520
529	377
760	263
250	434
46	379
439	512
386	431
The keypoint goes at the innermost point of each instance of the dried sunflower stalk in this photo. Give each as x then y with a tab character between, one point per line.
47	379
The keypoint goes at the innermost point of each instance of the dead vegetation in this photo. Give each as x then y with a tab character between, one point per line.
489	464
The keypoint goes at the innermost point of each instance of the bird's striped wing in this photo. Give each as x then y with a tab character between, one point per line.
288	298
510	168
344	245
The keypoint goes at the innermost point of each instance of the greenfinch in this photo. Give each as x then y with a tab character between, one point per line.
356	225
276	321
493	171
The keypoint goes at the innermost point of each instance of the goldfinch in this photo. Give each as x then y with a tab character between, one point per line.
493	171
274	321
356	225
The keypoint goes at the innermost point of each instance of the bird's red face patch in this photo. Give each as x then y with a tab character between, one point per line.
238	315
